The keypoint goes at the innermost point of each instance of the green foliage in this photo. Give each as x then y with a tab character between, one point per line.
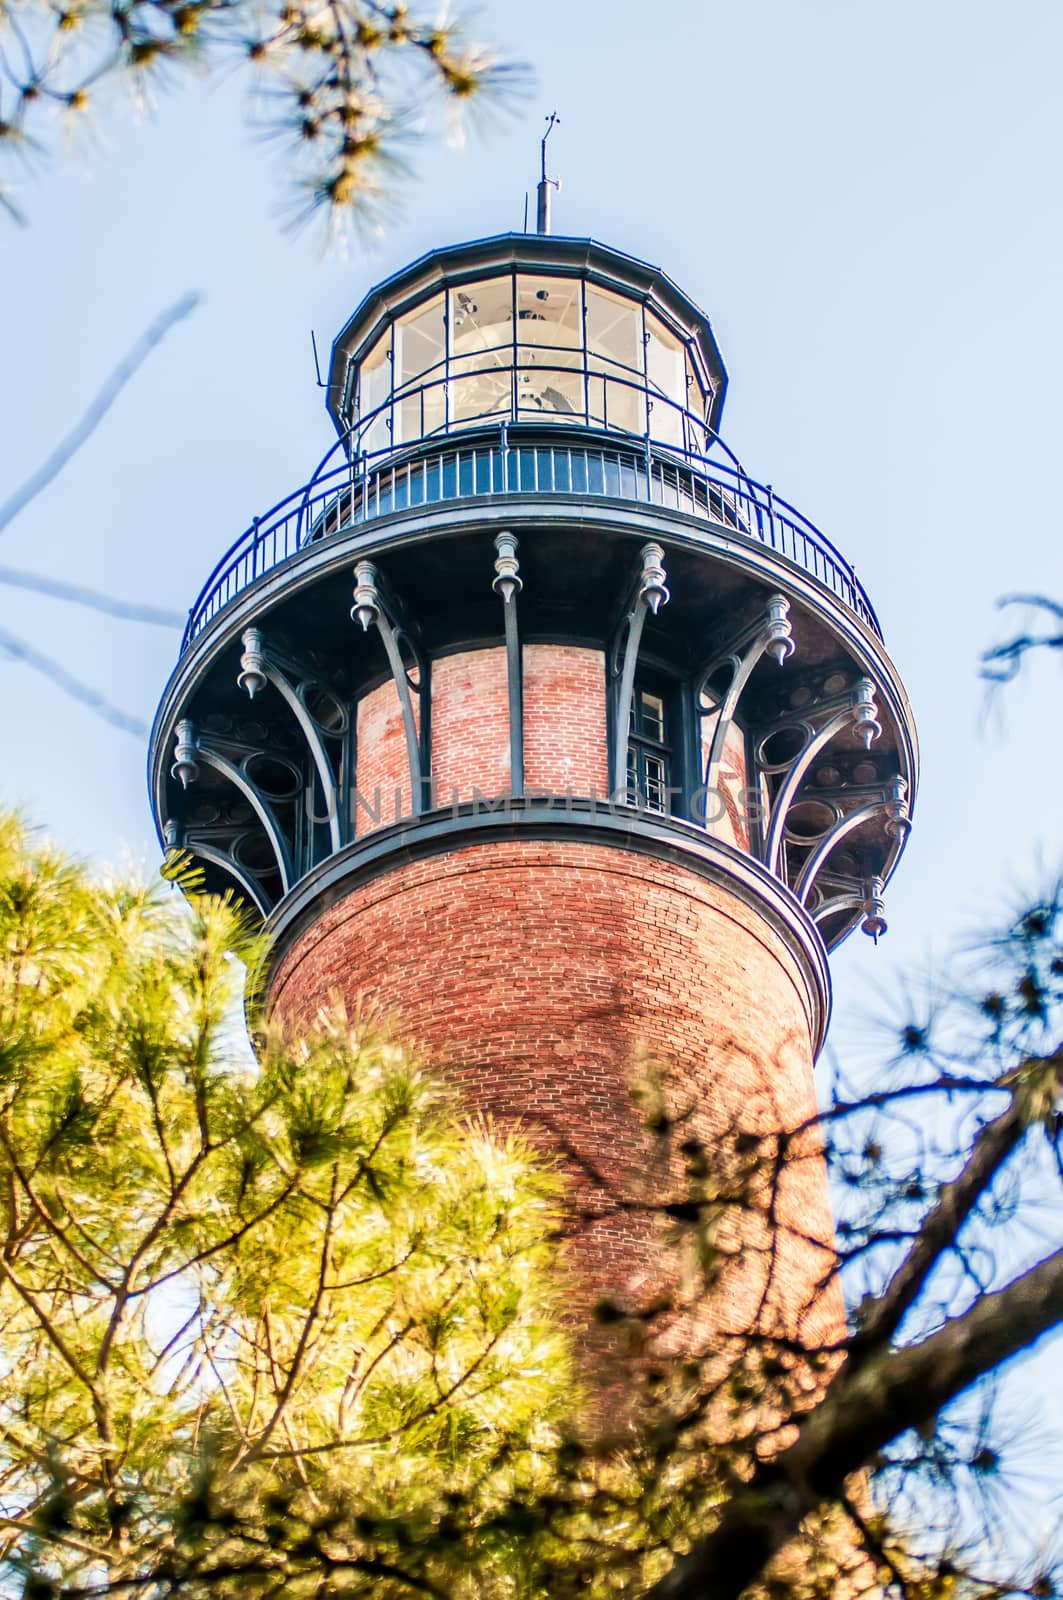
259	1323
345	81
290	1327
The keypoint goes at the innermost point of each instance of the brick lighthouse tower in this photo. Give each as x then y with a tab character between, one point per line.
537	720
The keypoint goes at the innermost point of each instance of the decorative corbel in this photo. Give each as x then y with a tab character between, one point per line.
864	896
856	710
261	665
176	840
508	583
194	750
374	607
768	634
891	803
648	593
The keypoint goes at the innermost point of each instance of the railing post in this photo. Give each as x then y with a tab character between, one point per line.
505	457
771	515
254	548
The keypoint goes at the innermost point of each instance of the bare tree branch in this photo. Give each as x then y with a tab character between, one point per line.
1003	662
940	1228
126	610
18	650
104	400
863	1411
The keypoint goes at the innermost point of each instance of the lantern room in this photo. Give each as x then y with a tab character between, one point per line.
584	336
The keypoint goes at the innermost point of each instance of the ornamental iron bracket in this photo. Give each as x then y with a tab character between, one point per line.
768	634
175	840
195	749
375	607
508	583
647	593
261	664
890	802
864	896
855	710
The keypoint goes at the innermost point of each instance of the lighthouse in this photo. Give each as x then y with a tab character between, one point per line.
535	720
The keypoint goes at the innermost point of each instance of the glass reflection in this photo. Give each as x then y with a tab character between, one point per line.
481	352
374	389
520	346
666	375
420	355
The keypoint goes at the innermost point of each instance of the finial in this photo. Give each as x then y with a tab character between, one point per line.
873	907
507	581
366	606
865	719
185	766
545	183
780	633
653	583
252	676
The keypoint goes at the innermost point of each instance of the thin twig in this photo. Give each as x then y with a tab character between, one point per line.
19	650
55	589
98	409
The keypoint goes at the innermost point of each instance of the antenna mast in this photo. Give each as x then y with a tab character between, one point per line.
545	183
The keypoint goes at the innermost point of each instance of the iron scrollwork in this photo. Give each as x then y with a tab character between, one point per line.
262	664
768	634
818	724
375	606
647	594
230	757
508	583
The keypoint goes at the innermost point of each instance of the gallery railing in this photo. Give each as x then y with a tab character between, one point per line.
540	456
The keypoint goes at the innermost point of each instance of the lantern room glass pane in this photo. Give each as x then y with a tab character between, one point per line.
419	342
614	349
616	402
479	391
480	370
420	349
374	390
481	318
665	373
422	411
697	404
550	312
551	382
614	331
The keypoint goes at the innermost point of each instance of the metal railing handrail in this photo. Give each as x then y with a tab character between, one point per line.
463	463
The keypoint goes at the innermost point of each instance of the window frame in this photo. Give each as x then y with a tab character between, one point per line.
596	372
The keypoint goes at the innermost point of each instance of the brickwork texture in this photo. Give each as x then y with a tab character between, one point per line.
541	977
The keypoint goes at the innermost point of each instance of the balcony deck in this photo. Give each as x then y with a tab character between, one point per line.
522	459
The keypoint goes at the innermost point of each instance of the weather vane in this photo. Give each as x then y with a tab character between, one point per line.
545	183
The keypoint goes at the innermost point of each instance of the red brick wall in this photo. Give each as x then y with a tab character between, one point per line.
382	762
564	720
564	731
470	725
540	975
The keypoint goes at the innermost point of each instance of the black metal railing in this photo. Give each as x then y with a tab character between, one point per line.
368	485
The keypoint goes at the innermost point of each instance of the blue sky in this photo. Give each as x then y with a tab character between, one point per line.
866	200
